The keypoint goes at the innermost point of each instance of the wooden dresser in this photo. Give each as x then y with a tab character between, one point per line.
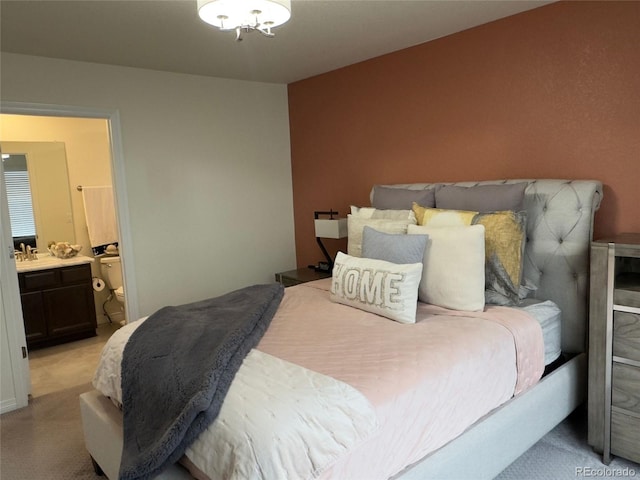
614	347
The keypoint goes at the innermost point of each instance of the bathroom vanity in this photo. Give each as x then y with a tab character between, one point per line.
57	300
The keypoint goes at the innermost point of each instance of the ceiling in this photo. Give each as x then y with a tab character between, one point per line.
322	35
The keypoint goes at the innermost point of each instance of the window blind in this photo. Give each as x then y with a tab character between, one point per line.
20	204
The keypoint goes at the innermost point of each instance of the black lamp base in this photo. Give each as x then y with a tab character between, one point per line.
322	267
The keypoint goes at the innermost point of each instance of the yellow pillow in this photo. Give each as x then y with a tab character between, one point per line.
440	217
505	236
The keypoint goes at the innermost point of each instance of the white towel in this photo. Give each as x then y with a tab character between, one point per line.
100	213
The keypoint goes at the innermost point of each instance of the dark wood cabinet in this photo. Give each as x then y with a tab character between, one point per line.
35	324
57	305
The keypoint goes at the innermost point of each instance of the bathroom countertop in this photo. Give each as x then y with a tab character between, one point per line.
45	262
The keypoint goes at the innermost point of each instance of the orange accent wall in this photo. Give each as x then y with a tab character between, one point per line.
550	93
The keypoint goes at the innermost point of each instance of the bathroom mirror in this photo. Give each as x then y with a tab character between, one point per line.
46	164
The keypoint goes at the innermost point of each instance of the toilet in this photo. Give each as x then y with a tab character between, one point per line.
112	272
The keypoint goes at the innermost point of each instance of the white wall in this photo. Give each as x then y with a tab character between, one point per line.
207	166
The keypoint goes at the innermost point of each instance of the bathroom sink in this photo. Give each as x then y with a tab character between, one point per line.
46	261
44	257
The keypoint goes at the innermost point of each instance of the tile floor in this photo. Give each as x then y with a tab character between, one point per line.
67	365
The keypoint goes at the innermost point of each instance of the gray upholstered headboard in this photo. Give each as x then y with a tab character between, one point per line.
559	233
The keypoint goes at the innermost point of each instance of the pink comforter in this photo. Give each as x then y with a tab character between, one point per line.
427	382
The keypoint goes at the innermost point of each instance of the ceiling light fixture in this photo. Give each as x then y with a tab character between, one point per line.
245	15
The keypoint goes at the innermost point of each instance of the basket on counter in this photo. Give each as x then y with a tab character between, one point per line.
63	249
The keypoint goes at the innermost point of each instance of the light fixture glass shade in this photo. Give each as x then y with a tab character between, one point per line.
254	14
331	228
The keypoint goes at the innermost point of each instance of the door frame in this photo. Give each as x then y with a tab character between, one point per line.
9	279
11	315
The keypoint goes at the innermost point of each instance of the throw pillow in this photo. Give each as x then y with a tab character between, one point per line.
505	237
482	198
376	286
401	198
453	272
394	248
356	223
440	217
370	212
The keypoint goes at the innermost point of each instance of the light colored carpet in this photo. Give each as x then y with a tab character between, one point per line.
44	441
64	366
563	454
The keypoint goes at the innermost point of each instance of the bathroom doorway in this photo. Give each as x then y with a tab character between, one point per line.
80	155
89	138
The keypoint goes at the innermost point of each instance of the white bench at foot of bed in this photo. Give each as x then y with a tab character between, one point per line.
102	426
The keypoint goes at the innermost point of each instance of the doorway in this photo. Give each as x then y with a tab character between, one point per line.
88	174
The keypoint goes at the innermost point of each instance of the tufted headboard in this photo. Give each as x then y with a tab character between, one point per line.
559	232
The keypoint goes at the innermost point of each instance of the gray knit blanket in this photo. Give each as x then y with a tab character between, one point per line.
177	368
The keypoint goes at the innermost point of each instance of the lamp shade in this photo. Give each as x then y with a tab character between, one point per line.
231	14
331	228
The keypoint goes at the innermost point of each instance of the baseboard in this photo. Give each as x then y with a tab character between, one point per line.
8	405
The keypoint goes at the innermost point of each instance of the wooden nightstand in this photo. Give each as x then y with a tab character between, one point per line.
301	275
614	347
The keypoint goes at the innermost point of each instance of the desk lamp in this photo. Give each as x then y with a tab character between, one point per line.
328	228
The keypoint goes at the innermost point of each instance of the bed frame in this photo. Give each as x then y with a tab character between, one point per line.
560	217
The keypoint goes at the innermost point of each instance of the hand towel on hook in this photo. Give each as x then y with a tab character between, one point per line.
100	214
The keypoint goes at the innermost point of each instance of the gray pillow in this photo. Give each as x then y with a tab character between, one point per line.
394	248
387	198
482	198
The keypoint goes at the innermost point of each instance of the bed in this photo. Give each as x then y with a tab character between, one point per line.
394	426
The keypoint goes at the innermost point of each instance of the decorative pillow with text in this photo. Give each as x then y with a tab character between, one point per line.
377	286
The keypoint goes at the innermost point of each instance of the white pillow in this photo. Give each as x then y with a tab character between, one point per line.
364	212
370	212
376	286
356	224
453	273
